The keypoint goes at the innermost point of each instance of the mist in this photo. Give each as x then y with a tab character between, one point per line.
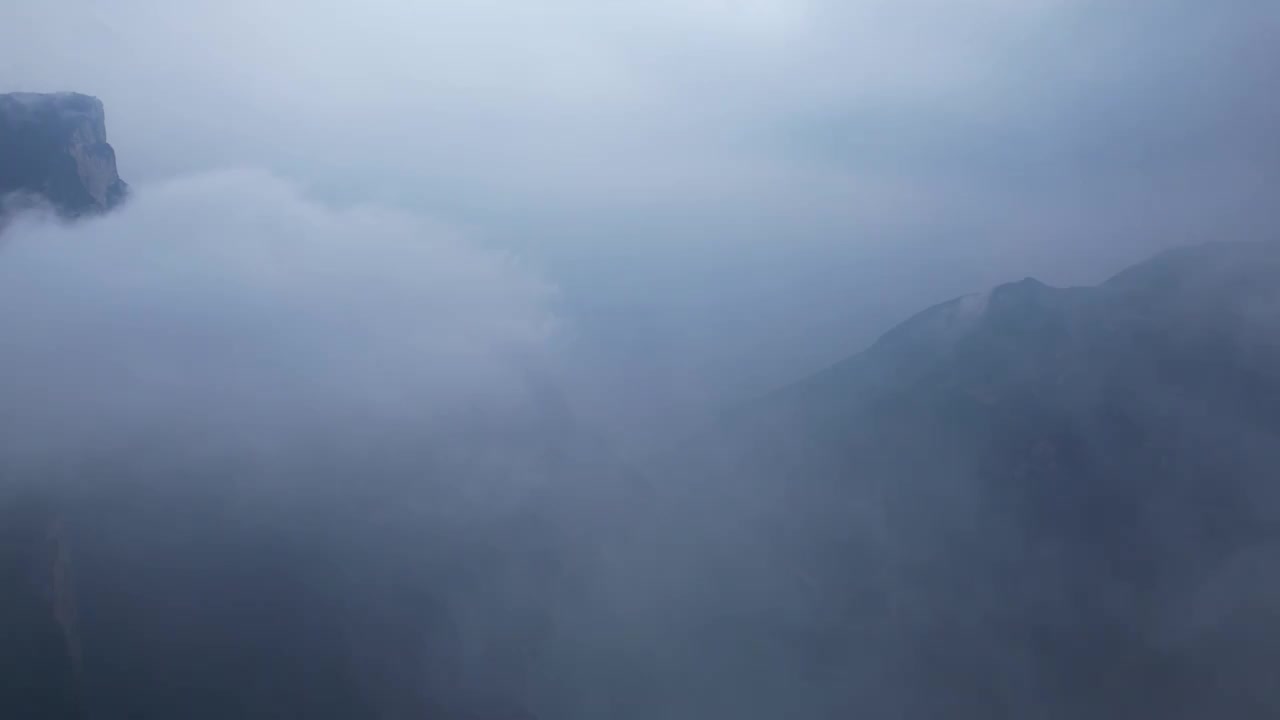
228	305
265	412
497	361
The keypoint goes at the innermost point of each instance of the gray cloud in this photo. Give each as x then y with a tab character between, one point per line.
229	308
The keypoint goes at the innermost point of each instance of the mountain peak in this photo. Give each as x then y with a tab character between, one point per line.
54	146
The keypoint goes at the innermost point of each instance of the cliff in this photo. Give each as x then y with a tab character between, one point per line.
39	643
54	146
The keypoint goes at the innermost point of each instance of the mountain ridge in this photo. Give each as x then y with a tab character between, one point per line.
1040	480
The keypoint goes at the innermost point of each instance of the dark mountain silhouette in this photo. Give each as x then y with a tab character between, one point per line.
1033	502
54	147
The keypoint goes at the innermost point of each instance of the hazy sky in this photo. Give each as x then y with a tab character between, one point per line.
740	192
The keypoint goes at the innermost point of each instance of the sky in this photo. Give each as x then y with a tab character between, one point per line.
725	196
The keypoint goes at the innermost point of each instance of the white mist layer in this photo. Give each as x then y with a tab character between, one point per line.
232	307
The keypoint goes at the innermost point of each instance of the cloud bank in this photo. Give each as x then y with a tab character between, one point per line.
229	308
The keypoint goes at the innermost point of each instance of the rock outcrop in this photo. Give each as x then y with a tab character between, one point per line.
54	147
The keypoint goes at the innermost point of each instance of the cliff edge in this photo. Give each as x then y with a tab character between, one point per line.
53	146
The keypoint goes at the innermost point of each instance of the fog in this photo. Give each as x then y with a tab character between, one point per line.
830	166
301	430
491	360
230	304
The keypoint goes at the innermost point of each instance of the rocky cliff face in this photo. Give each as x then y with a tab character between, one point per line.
54	147
39	640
